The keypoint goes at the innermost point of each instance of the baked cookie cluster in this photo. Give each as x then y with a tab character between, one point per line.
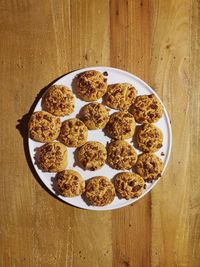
44	127
146	109
52	157
92	155
95	116
73	133
91	85
59	100
121	125
70	183
120	96
129	185
149	138
47	126
121	155
100	191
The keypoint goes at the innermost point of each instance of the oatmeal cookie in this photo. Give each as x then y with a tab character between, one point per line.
149	138
52	157
44	127
70	183
91	85
100	191
121	155
129	185
121	125
149	166
120	96
73	133
146	109
92	155
95	116
59	100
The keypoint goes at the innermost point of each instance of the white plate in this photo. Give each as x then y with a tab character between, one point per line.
114	76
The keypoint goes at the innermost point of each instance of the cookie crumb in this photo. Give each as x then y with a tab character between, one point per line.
162	154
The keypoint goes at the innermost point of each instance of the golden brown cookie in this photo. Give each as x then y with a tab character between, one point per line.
95	116
100	191
121	125
73	133
121	155
70	183
91	85
129	185
92	155
59	100
149	166
52	157
146	109
120	96
149	138
44	127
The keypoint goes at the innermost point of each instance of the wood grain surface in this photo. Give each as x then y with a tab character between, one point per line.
157	40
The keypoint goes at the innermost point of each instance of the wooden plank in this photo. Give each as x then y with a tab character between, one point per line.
40	42
194	117
130	51
92	231
172	220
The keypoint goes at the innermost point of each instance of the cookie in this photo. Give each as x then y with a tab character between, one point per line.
120	96
52	157
70	183
129	185
73	133
149	138
149	166
146	109
121	155
100	191
58	100
44	127
92	155
91	85
121	125
95	116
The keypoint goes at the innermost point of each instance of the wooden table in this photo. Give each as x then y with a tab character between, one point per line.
157	40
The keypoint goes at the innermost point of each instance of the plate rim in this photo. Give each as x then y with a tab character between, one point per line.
169	148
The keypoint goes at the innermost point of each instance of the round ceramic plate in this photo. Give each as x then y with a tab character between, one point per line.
114	76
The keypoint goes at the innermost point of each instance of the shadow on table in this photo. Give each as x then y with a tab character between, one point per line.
22	127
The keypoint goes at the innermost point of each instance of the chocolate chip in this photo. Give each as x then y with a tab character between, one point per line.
151	96
136	188
153	106
149	143
105	73
131	183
